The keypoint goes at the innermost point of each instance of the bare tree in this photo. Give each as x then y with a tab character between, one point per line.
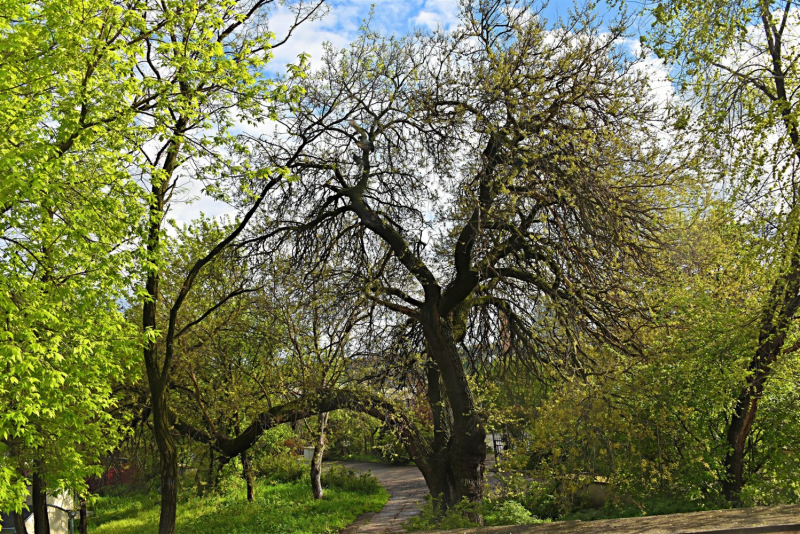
502	170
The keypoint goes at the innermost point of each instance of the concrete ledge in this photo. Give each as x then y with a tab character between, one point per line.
765	519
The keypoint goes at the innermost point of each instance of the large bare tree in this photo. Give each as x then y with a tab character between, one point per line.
502	171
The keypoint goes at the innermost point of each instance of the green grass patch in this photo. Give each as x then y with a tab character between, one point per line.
278	508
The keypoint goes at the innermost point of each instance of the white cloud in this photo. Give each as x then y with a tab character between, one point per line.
339	26
661	88
438	14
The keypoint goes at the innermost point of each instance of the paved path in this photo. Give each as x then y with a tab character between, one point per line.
407	490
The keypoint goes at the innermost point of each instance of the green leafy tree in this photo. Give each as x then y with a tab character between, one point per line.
68	215
737	63
202	73
653	425
98	94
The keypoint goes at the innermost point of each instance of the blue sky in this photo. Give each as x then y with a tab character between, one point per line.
340	25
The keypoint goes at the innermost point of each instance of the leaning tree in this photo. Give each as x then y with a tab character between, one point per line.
737	63
502	172
200	72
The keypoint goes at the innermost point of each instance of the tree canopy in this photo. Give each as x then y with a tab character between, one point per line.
507	227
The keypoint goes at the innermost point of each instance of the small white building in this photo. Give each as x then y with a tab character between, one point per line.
57	506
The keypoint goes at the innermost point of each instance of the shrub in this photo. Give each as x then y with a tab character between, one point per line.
281	467
430	519
495	513
338	476
507	513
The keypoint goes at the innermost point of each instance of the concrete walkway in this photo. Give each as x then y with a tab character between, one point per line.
407	490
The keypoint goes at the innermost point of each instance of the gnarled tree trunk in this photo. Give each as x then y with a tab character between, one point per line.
455	468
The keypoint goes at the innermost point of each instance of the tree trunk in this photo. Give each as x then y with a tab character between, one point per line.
455	470
247	475
316	459
157	371
734	460
19	523
41	523
168	459
83	522
212	469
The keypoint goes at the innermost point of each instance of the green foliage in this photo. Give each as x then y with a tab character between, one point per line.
275	459
431	519
507	513
774	441
537	497
495	512
338	476
651	427
68	215
737	61
286	508
652	506
282	467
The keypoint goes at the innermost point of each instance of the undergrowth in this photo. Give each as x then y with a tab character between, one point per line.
279	508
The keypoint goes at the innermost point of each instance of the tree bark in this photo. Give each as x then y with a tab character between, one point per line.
212	469
83	522
41	523
459	450
316	459
19	524
168	458
247	475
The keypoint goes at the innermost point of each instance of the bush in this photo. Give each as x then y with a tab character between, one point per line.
429	519
230	478
495	513
507	513
338	476
539	498
281	467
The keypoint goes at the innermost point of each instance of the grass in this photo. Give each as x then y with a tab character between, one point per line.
278	508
